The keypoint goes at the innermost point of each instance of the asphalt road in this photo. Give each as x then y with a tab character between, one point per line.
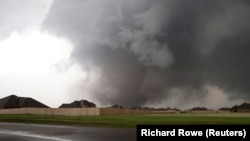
37	132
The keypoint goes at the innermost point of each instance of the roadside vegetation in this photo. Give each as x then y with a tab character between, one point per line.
131	121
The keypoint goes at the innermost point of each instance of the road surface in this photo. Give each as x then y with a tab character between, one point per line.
37	132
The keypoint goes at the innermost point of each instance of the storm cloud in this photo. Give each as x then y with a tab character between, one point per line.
149	52
20	17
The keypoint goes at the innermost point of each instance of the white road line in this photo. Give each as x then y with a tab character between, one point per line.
28	134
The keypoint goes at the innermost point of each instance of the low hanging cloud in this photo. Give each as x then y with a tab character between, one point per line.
148	52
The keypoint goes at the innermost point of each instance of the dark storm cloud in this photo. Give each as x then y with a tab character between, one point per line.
146	49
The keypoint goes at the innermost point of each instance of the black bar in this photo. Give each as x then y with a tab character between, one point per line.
193	132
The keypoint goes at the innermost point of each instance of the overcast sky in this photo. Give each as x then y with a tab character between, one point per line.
161	53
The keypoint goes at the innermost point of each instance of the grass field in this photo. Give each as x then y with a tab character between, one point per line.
132	120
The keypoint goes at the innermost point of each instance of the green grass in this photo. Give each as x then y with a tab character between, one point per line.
132	120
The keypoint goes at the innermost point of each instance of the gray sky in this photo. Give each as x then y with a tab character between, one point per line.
162	53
